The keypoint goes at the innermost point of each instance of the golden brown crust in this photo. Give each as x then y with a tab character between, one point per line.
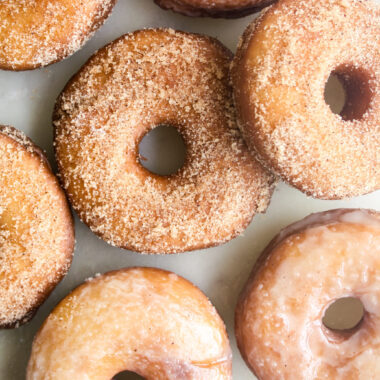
217	9
144	79
36	229
145	320
279	94
37	33
309	264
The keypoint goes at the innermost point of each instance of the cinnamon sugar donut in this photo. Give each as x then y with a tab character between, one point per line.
325	257
36	33
219	8
279	74
142	80
145	320
36	229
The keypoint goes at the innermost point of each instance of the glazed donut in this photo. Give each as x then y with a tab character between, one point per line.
36	229
325	257
145	320
209	8
279	74
145	79
36	33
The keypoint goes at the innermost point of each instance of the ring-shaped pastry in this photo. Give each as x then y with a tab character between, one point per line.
140	81
36	229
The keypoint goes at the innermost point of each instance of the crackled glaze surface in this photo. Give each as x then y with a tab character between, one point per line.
26	101
145	320
310	264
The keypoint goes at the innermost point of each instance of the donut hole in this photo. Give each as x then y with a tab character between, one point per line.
162	150
348	92
335	94
128	375
344	314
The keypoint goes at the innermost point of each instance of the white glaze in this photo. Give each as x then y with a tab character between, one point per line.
279	318
27	100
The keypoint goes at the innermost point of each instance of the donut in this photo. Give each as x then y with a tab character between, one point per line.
309	265
36	229
279	74
145	79
219	8
144	320
36	33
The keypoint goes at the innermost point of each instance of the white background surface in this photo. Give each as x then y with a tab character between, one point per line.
26	102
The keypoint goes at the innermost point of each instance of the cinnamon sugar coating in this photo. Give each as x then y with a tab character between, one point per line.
279	74
36	33
309	265
36	229
140	81
144	320
219	8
